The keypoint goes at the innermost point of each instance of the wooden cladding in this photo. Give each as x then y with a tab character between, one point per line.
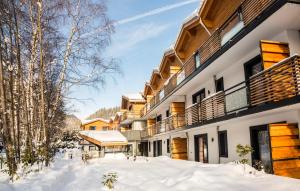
252	8
179	148
209	108
273	52
276	83
284	139
248	10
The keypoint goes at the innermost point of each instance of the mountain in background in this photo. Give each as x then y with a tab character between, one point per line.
72	123
105	113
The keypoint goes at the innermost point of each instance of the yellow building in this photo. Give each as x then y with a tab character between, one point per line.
98	124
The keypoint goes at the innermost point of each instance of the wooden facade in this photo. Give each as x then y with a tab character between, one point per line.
285	144
179	148
98	125
215	12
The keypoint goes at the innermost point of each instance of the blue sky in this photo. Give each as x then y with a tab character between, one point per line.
143	31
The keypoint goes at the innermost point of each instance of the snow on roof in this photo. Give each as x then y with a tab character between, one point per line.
192	15
105	136
134	97
86	121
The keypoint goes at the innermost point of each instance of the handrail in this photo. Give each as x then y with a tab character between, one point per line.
283	76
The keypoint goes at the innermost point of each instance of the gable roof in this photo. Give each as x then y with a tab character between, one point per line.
135	97
87	121
104	138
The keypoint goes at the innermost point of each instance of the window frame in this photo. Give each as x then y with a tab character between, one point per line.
197	55
168	145
92	128
225	155
220	80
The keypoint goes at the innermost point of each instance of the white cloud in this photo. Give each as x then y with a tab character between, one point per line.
155	12
146	14
127	41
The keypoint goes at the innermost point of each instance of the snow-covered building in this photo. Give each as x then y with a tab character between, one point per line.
232	77
131	125
98	124
101	142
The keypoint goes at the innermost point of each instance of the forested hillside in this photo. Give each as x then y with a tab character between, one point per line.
105	113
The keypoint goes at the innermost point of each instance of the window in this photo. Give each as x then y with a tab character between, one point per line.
223	147
167	113
253	67
149	146
92	148
92	127
219	84
168	145
158	118
232	27
197	59
199	96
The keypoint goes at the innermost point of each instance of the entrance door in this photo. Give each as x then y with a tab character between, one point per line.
260	142
154	149
159	148
201	148
144	148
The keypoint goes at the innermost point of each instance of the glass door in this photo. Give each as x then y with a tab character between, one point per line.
260	142
201	148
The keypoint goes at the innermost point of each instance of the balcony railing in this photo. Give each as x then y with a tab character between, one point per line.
247	11
279	82
168	124
130	115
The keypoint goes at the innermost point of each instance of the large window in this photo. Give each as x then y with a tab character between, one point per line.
149	146
199	96
223	147
197	59
231	27
92	127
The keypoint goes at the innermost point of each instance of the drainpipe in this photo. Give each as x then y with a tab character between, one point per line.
201	22
217	129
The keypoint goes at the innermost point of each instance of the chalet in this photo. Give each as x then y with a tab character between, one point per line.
131	125
98	124
232	77
100	136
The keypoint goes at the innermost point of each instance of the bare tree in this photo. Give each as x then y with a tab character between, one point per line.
46	48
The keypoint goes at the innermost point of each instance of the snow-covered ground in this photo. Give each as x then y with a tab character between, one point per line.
148	174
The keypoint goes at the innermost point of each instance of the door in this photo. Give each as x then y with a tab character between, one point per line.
253	67
199	96
201	148
260	142
154	149
159	147
144	149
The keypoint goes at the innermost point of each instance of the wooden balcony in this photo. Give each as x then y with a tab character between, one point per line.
130	115
277	83
247	11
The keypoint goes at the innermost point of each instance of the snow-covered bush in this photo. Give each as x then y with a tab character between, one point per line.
109	180
243	151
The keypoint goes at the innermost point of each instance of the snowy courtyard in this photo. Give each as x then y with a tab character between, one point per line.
147	174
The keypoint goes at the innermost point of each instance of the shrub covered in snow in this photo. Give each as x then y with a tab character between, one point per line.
243	151
109	180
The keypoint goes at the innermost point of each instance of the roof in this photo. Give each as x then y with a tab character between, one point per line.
104	138
84	122
134	97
